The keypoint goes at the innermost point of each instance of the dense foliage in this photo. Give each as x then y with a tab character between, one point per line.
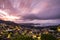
47	37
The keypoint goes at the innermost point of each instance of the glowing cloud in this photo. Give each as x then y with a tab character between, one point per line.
23	10
5	16
2	12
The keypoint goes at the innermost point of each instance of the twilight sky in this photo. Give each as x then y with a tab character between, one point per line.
43	11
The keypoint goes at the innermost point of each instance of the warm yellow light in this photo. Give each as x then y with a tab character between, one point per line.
39	38
58	28
9	36
30	32
34	36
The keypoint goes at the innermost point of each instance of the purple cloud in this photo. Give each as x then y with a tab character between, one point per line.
32	9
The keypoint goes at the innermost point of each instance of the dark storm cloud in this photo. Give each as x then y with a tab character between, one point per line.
52	12
31	16
31	9
48	14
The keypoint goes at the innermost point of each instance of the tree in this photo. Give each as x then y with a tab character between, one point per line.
47	37
22	37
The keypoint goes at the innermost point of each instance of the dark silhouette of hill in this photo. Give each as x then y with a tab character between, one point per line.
8	22
26	25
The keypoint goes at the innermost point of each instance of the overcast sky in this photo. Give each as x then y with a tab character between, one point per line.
30	10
